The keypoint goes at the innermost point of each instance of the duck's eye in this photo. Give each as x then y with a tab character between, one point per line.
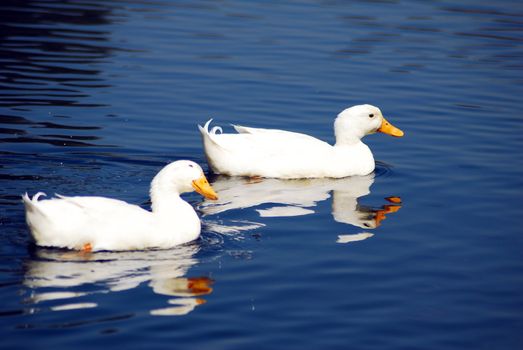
192	166
371	115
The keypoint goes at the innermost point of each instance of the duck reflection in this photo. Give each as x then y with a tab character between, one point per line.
299	197
164	271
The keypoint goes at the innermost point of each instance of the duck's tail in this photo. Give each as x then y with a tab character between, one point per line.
205	129
33	213
213	145
31	203
209	134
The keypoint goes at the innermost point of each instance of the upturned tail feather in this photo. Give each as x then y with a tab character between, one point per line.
209	134
30	203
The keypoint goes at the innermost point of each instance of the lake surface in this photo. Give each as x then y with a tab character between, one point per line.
426	253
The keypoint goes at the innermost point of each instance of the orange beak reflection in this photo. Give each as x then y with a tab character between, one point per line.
387	209
191	287
389	129
202	186
199	285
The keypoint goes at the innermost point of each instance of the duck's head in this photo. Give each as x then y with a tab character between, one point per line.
180	177
355	122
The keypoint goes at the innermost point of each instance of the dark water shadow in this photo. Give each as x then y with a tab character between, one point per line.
50	51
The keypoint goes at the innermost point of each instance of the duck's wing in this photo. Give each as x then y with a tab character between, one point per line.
106	212
278	133
258	137
97	204
73	221
77	211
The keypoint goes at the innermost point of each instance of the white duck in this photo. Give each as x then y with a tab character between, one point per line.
99	223
284	154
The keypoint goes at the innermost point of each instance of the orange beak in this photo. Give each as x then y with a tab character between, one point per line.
201	185
389	129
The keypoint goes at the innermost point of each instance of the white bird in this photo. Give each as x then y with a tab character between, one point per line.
99	223
284	154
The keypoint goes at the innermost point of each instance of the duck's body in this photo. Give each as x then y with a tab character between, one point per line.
98	223
284	154
108	224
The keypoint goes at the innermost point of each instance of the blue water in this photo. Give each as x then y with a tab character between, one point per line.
96	96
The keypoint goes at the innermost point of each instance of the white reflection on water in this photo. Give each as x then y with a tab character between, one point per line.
299	197
164	271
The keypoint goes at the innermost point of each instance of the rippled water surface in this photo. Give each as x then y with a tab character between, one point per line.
426	253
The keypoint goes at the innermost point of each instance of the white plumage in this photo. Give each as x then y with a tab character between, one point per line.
284	154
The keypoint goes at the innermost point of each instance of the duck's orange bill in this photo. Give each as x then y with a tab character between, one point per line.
389	129
202	186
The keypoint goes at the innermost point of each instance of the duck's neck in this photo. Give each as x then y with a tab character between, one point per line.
347	137
164	194
164	197
164	203
347	140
